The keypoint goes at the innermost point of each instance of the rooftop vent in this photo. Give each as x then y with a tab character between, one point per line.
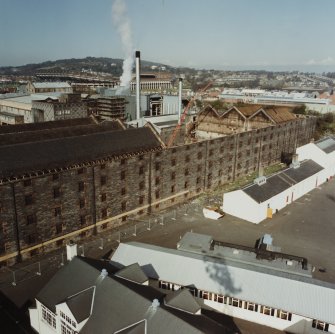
155	304
260	180
295	162
71	250
104	273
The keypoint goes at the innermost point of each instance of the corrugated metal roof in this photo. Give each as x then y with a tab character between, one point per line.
51	85
294	293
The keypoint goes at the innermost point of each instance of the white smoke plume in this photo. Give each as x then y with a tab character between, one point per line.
123	26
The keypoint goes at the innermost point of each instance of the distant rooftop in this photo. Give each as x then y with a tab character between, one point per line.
326	144
51	85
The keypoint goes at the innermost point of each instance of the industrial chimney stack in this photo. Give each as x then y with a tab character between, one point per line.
138	84
179	99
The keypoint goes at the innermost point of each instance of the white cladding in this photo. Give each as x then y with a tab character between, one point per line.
306	297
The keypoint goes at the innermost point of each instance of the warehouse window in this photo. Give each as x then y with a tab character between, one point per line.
55	177
103	197
82	203
284	315
322	326
28	199
123	175
81	186
57	211
56	192
103	180
31	219
27	183
141	170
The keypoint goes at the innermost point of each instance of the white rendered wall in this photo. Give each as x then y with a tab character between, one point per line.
44	327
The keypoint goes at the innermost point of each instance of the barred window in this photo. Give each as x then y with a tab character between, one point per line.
322	326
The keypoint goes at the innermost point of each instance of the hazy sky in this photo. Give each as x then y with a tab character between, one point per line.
195	33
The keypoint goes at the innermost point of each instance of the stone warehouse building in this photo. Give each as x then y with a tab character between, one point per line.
66	180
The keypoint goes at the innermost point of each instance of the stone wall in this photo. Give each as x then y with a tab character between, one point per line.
40	213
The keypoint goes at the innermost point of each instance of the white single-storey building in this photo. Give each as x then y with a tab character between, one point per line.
322	152
268	195
257	284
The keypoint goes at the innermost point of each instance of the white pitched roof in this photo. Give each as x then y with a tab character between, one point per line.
297	294
51	85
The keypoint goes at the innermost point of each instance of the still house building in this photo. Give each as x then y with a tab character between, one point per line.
75	177
259	285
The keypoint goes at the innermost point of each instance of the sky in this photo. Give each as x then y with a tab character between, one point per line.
212	34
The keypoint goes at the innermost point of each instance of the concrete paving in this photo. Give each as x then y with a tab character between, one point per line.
304	228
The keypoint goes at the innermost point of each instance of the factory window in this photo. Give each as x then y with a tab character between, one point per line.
322	326
236	302
211	151
198	180
141	200
55	177
267	310
28	199
122	161
173	189
81	186
59	228
82	203
31	238
157	193
103	197
157	180
187	158
157	165
27	183
103	213
186	185
284	315
124	206
57	211
56	192
186	172
103	180
173	162
103	166
141	170
123	175
48	317
173	175
199	155
82	220
251	306
123	191
31	219
81	170
141	185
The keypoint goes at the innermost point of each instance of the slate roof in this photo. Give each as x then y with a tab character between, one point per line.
327	144
24	158
59	132
133	273
81	304
182	300
17	128
279	182
117	307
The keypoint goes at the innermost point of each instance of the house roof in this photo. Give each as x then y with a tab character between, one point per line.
21	158
281	181
117	307
80	304
61	132
18	128
327	144
133	273
287	291
182	300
